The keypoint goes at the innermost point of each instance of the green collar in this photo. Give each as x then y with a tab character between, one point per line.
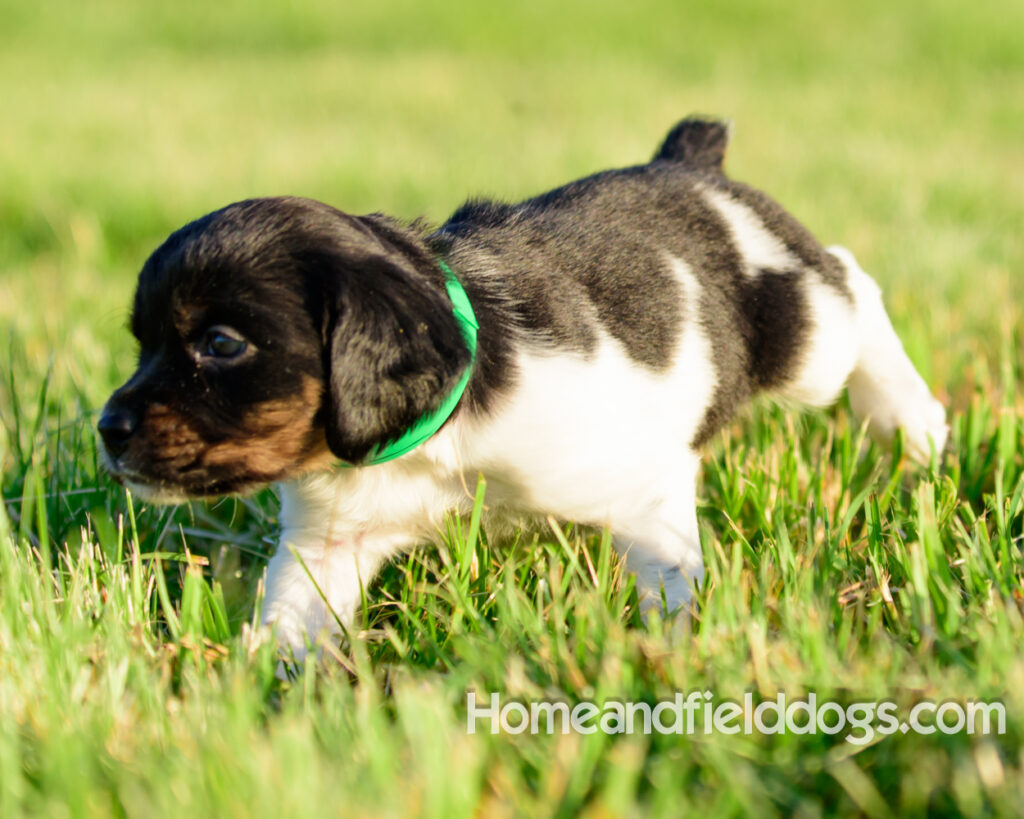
426	425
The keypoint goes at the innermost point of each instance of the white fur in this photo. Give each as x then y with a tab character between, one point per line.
830	352
761	249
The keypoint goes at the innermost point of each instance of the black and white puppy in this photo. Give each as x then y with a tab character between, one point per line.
622	319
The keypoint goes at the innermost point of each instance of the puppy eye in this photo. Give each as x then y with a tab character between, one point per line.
222	342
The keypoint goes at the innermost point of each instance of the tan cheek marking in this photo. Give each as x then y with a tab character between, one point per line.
279	437
167	435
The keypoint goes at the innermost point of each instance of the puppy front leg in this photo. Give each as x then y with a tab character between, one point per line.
660	541
314	588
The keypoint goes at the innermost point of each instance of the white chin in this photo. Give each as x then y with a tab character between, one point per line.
156	494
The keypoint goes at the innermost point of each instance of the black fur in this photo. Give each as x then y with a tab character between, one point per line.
771	302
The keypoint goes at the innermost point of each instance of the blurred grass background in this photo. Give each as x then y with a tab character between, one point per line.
886	127
896	129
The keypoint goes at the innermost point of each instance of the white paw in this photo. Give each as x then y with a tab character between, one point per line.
672	595
925	428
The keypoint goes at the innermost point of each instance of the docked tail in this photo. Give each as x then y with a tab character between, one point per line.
697	142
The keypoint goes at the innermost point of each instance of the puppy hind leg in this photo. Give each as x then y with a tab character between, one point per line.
884	386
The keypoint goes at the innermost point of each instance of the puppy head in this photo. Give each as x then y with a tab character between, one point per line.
276	336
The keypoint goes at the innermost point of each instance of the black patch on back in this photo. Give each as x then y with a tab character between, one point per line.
769	326
775	311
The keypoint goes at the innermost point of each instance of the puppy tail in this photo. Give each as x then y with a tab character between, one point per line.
698	142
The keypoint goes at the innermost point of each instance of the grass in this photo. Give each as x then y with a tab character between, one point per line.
131	682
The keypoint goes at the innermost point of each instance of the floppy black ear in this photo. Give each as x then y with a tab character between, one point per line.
393	350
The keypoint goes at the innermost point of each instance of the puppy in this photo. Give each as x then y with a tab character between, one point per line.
576	349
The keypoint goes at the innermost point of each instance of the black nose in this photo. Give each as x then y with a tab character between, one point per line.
116	426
